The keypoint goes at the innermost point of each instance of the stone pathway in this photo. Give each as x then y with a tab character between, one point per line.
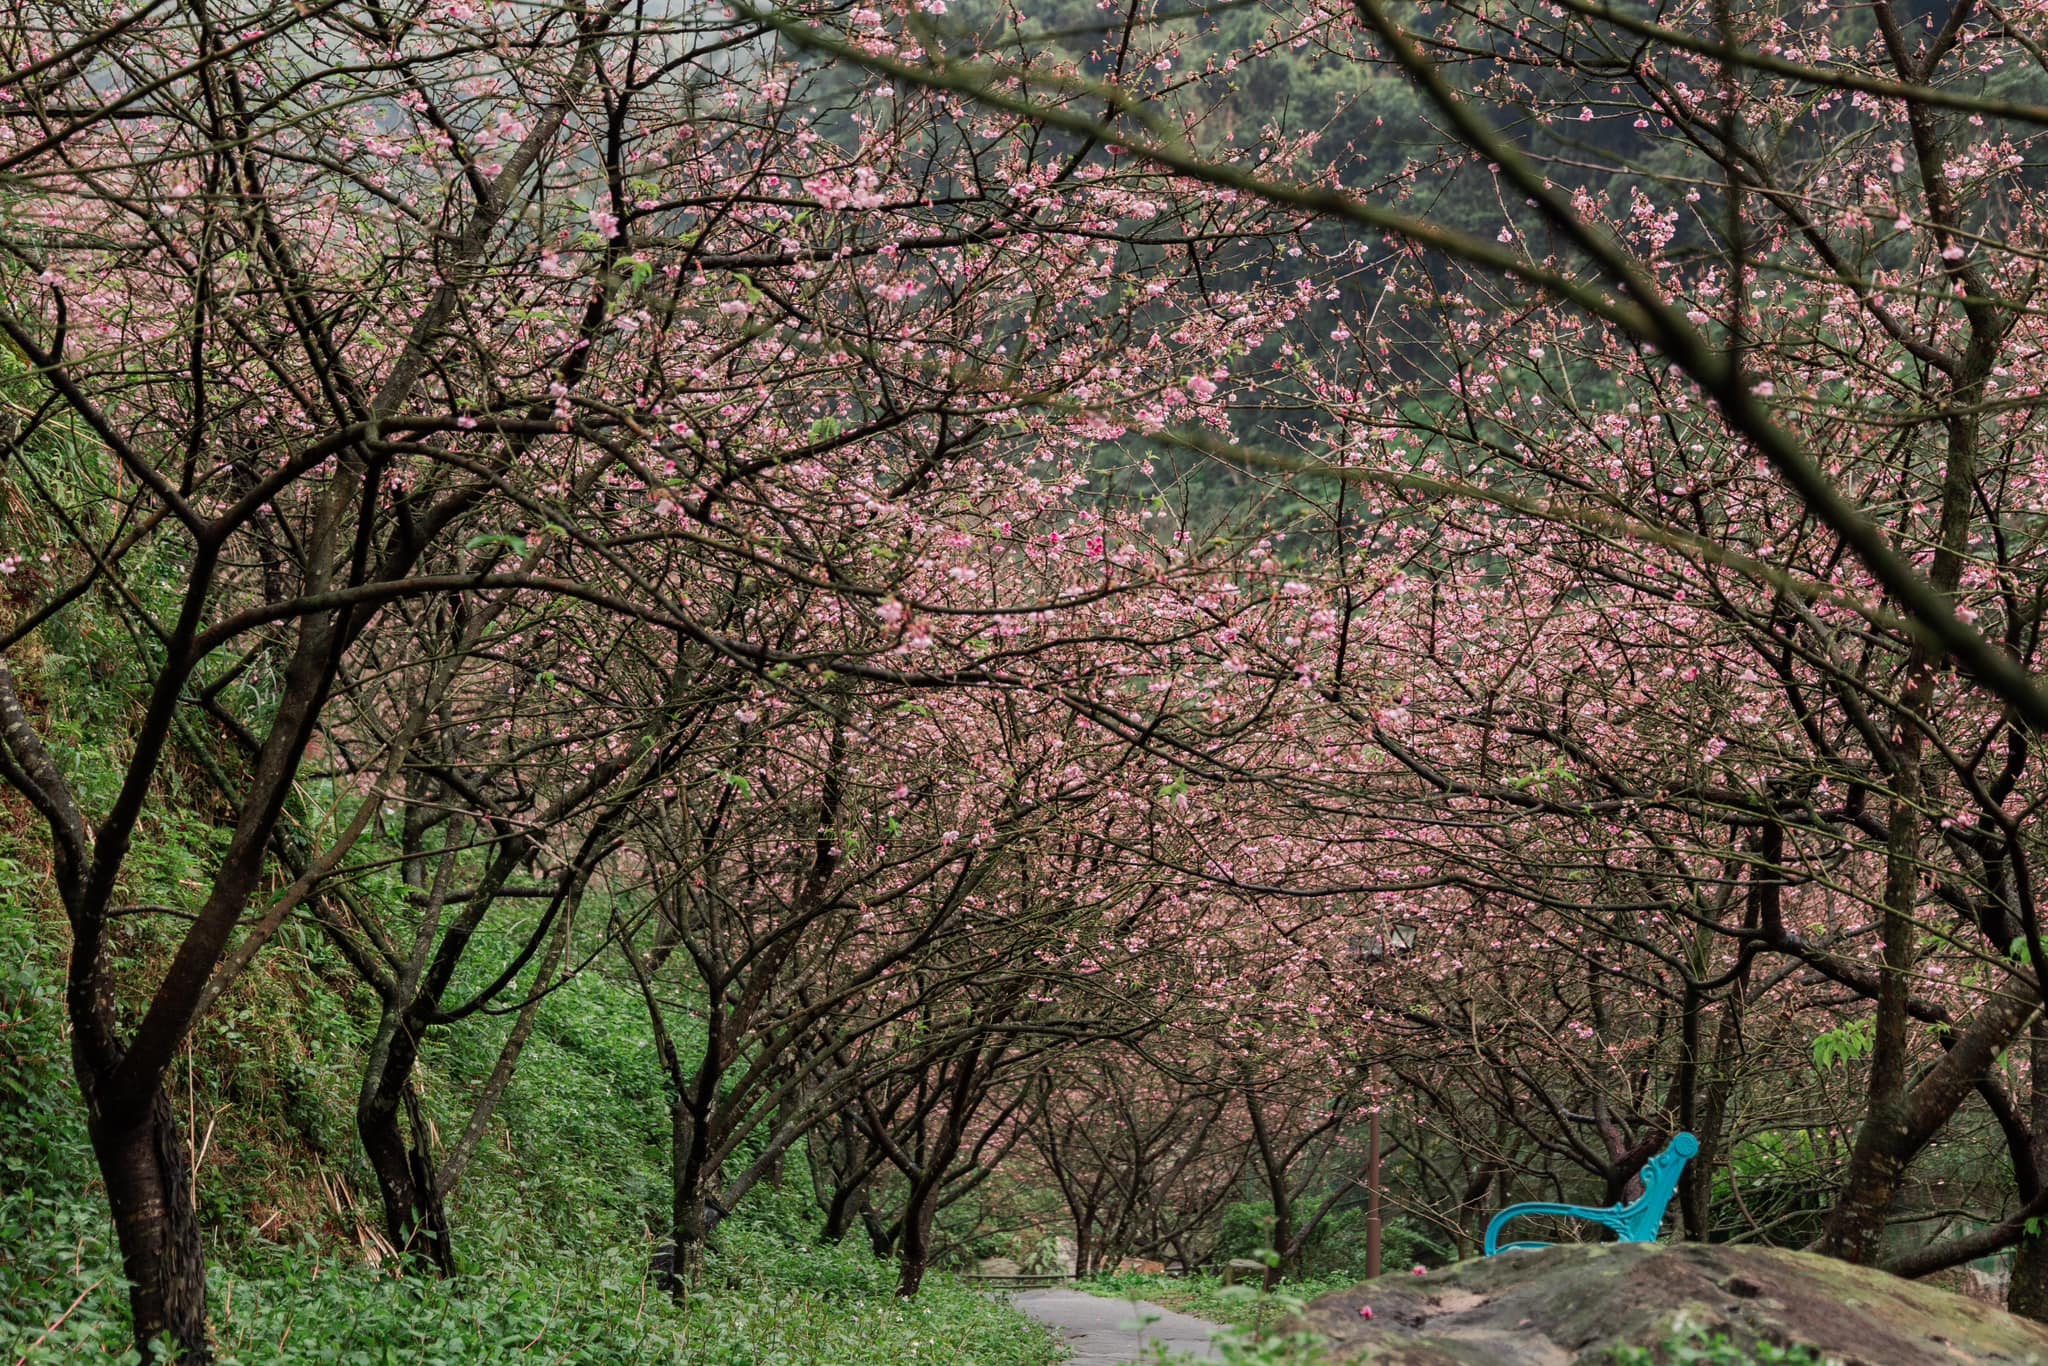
1107	1332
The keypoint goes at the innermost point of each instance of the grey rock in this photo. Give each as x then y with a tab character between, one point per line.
1574	1304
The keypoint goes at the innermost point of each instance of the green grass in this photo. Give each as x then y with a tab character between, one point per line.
294	1307
1256	1330
1207	1297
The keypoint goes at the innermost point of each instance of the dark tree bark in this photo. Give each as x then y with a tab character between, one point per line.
148	1170
2027	1294
415	1219
914	1246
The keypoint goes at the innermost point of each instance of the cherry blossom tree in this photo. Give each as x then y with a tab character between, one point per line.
761	463
1770	397
362	309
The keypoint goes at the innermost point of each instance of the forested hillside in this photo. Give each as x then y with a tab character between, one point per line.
669	674
560	1209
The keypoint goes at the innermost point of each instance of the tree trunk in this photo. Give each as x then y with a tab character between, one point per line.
1372	1198
881	1235
1855	1226
415	1219
1877	1163
1763	908
773	1175
914	1244
1276	1188
1696	1187
2027	1293
1894	1134
839	1179
1471	1213
689	1228
848	1203
1289	1256
148	1171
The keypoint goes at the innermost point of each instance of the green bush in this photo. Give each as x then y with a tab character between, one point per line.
1336	1250
1693	1346
1249	1307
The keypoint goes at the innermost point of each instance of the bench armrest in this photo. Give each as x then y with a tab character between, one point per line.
1607	1218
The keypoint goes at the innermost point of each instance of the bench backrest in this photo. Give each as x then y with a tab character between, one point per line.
1660	1180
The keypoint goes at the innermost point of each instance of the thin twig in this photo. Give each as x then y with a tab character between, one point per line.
58	1323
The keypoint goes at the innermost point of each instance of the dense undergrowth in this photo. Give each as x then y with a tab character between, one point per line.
553	1224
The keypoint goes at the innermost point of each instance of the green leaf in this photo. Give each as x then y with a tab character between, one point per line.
516	543
1845	1043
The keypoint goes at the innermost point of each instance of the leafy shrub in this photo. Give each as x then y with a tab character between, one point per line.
1336	1250
1690	1345
1249	1307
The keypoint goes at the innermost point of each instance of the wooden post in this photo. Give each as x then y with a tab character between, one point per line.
1372	1196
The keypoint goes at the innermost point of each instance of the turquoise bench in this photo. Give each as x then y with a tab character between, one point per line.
1634	1222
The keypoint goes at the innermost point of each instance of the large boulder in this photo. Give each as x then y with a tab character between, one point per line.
1577	1303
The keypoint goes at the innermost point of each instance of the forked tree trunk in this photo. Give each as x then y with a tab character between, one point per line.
839	1180
1895	1133
415	1217
881	1233
848	1202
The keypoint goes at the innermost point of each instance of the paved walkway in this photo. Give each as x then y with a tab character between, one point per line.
1107	1332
